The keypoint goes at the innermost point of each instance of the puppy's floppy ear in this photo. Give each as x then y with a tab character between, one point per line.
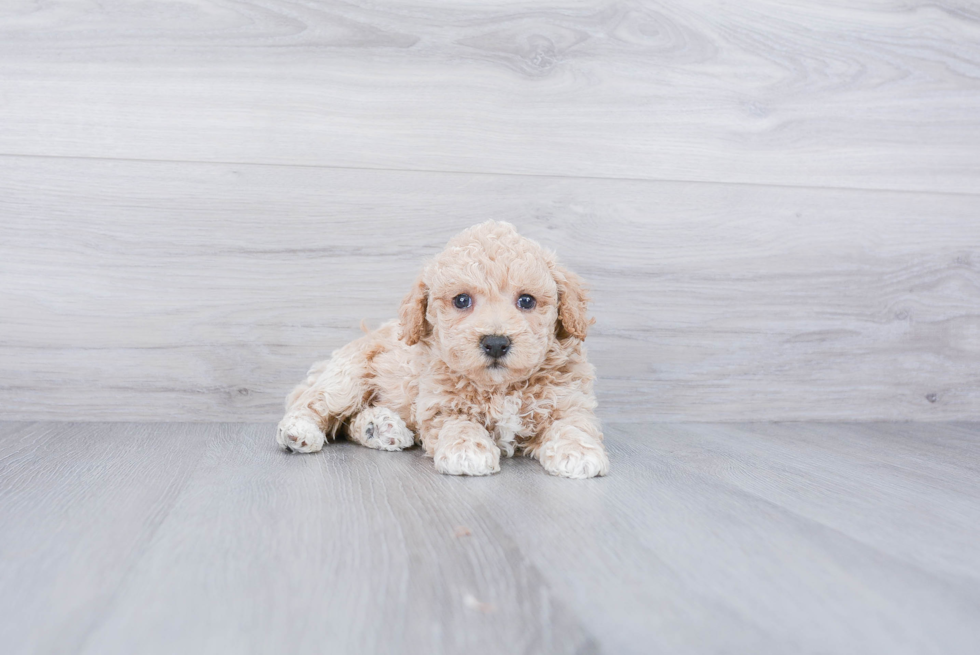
411	314
573	304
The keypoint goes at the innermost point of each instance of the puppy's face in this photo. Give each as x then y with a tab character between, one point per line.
493	320
491	305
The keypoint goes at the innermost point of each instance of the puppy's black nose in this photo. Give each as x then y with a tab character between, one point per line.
495	345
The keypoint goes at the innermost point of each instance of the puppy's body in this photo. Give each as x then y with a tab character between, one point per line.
486	357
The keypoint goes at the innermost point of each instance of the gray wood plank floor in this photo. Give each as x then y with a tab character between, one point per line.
738	538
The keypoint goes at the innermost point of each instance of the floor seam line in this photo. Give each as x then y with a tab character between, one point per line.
556	176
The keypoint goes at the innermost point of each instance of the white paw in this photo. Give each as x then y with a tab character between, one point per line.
299	434
381	428
464	456
574	454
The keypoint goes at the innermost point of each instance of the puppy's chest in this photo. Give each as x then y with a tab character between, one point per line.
510	419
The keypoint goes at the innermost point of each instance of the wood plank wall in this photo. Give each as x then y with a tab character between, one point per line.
777	203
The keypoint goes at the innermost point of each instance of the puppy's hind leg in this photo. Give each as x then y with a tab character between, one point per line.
381	428
333	390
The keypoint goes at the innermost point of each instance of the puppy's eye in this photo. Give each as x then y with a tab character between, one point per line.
462	301
526	302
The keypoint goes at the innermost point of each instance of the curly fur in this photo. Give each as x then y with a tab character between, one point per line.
425	375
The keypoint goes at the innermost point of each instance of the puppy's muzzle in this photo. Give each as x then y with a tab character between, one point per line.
495	345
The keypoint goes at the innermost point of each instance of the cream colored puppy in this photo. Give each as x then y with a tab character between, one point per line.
486	358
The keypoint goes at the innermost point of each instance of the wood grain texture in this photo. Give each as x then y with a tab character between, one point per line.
177	291
754	538
882	94
766	538
81	503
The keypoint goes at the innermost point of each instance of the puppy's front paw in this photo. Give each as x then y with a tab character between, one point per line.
299	434
381	428
467	457
574	454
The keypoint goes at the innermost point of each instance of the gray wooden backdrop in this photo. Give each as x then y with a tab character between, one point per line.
777	203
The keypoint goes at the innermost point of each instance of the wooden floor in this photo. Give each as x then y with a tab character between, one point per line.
738	538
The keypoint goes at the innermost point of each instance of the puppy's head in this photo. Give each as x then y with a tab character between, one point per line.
493	303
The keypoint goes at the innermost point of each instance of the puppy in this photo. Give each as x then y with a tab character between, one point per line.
485	359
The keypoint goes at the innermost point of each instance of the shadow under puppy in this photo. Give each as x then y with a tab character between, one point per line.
486	357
